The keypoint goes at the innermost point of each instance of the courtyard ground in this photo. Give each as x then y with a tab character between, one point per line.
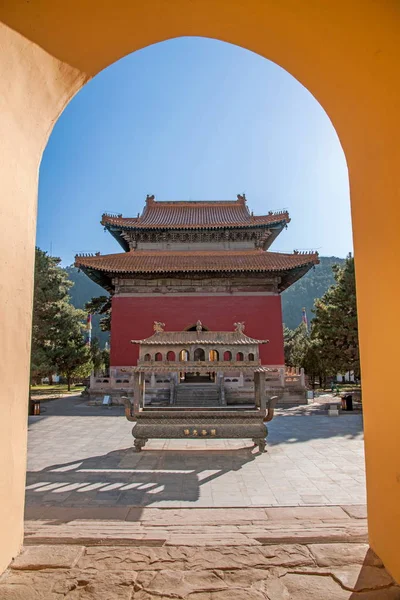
80	455
198	520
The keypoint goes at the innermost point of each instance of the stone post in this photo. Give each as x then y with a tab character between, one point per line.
302	378
263	398
257	398
241	379
136	392
282	377
172	384
221	388
153	380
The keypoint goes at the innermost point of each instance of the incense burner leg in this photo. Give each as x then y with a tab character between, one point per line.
139	443
260	442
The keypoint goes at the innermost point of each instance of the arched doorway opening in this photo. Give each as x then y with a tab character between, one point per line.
63	58
199	354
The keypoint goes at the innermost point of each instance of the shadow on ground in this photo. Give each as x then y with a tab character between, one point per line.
123	477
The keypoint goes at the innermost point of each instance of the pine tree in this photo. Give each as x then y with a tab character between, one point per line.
335	323
58	343
50	289
97	356
101	305
69	350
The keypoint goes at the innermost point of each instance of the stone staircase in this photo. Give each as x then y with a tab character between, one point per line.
197	394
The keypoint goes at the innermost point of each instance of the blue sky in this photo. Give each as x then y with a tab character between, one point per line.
193	119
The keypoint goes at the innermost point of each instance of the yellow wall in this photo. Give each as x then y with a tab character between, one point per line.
346	53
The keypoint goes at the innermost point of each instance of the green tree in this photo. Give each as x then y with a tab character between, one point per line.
58	343
97	356
313	361
301	342
304	350
288	342
50	289
101	305
106	359
69	351
296	342
335	323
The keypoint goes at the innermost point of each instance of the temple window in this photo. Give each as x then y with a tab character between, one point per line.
239	356
158	356
171	356
227	355
213	355
147	357
251	356
199	354
183	355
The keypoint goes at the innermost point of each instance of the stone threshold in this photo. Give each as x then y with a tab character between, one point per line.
333	571
133	526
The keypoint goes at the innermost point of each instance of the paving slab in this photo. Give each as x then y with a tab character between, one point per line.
311	460
273	572
48	557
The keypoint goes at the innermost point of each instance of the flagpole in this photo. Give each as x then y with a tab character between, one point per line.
304	318
89	330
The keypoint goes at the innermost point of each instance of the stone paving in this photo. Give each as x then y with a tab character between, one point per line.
218	521
82	456
264	572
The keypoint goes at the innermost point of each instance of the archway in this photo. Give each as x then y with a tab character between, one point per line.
213	355
46	58
199	354
184	355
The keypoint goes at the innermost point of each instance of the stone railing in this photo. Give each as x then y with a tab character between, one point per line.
110	383
121	378
294	377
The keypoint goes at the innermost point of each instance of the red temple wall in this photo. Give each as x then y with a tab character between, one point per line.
133	317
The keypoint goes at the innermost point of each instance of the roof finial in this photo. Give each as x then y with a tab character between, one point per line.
150	198
199	326
239	326
158	327
241	198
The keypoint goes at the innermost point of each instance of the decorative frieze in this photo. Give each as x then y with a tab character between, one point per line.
176	239
221	283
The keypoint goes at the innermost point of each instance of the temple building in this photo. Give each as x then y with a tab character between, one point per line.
189	262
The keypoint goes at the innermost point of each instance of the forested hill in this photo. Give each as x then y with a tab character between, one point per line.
83	290
301	294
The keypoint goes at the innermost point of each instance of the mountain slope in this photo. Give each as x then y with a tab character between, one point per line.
83	290
303	293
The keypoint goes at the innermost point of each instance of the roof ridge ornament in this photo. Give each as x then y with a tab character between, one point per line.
158	327
199	326
241	198
150	199
239	327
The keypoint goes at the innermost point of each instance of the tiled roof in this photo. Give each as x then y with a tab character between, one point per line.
140	261
171	338
192	215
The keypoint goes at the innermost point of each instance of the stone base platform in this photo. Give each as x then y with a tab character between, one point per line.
287	397
307	553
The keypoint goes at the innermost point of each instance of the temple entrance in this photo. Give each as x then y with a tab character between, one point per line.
199	378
